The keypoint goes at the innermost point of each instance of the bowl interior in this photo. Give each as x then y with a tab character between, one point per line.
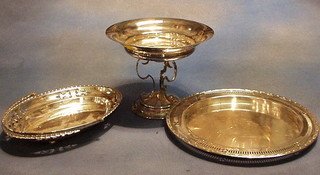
159	33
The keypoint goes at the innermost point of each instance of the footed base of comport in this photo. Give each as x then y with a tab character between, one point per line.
154	105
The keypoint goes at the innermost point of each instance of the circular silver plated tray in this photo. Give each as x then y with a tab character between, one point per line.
59	113
243	123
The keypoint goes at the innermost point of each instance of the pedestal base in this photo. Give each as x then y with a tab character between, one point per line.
154	105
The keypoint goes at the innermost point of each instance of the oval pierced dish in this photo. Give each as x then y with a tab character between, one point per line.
243	123
58	113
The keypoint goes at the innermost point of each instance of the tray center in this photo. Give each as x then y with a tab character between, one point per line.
249	123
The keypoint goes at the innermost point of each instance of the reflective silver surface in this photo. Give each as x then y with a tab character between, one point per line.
58	113
243	123
269	45
159	39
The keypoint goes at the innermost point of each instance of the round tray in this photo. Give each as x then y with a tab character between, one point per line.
59	113
159	39
243	123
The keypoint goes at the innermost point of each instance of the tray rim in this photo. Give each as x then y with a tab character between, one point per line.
231	152
62	132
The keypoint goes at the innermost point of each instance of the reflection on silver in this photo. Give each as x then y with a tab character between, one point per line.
243	123
59	113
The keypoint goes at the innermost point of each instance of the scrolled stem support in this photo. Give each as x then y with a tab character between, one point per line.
147	76
163	77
